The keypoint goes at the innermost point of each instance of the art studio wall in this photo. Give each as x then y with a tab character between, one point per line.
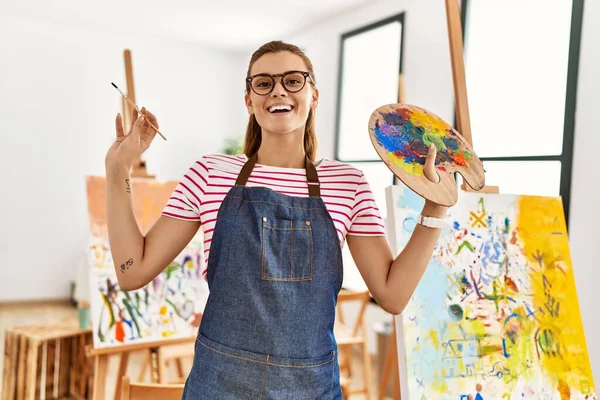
57	109
428	82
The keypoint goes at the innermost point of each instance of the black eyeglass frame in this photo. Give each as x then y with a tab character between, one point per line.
272	77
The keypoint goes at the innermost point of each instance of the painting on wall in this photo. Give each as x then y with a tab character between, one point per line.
496	314
171	305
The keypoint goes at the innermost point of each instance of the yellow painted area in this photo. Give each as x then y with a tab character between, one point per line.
558	338
189	265
111	320
440	384
478	328
433	335
410	168
428	121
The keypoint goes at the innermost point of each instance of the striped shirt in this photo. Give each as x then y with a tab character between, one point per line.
344	190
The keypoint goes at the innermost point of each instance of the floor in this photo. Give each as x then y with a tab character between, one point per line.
39	313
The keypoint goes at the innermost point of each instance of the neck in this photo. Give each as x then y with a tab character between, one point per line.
282	150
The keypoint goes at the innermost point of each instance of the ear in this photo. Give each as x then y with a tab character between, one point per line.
249	106
315	98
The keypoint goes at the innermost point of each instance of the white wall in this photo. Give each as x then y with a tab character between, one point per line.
57	109
428	83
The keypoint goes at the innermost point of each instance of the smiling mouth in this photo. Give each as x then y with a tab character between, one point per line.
280	109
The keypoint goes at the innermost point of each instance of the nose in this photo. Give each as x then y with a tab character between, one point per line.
278	89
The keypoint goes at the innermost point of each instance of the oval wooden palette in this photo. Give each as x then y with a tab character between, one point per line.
401	135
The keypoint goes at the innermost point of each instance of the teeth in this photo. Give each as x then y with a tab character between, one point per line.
280	107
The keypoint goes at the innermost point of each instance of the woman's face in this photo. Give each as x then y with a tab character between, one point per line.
292	114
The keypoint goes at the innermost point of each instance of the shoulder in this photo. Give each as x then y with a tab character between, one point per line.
337	168
219	162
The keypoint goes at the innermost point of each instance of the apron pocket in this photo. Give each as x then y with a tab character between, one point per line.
287	250
221	372
310	379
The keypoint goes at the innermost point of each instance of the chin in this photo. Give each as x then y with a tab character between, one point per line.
280	128
281	131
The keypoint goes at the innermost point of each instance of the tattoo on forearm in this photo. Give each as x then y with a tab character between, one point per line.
127	187
125	266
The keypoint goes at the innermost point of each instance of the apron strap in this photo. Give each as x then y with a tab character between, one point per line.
245	172
312	178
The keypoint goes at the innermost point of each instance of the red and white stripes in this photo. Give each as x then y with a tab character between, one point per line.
344	190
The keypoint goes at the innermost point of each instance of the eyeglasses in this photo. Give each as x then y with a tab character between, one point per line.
263	84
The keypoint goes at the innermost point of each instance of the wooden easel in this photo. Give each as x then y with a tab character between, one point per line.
101	357
139	166
464	128
463	122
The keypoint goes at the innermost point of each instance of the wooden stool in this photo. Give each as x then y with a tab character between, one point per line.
154	391
46	361
168	355
345	384
348	337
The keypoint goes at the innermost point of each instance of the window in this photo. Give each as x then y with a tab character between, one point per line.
363	86
521	61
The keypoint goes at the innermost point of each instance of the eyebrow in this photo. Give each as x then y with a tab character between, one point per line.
278	73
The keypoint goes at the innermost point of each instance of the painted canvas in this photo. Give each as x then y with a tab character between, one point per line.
496	314
170	306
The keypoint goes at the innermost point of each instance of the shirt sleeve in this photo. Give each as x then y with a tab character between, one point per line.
366	218
186	199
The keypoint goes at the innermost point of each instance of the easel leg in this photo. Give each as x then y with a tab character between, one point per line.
395	368
385	374
101	365
390	366
180	372
366	364
145	365
124	360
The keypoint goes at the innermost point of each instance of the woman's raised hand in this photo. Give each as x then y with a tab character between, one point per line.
129	147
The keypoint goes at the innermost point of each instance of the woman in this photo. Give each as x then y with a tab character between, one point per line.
274	221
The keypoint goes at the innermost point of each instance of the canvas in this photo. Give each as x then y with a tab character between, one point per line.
170	306
496	315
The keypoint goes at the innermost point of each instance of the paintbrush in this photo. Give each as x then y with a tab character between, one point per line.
138	110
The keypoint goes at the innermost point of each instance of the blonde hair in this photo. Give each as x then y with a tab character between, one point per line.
253	136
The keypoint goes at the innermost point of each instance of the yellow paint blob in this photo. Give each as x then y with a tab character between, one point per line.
428	121
410	168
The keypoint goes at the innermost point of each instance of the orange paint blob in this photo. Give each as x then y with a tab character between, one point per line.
119	331
459	159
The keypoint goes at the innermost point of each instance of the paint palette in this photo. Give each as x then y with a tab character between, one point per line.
402	134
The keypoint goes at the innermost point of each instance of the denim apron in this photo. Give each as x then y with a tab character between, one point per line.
274	274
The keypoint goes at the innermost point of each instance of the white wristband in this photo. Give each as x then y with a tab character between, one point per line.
432	222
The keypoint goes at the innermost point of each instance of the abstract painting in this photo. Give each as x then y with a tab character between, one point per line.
496	314
170	306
